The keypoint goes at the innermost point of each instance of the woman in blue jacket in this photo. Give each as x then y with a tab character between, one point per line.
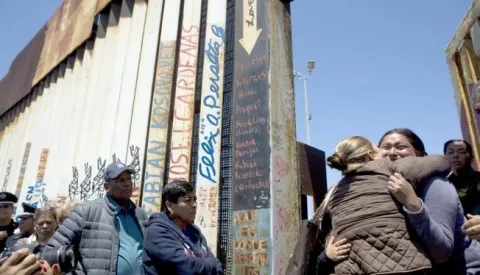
437	217
172	244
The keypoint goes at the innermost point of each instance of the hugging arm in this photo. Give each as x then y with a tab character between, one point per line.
434	223
417	170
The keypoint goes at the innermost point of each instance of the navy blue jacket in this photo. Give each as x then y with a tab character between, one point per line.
168	251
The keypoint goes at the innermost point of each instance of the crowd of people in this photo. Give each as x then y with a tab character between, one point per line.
395	211
109	235
33	228
399	211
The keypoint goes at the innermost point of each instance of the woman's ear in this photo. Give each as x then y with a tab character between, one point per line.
370	156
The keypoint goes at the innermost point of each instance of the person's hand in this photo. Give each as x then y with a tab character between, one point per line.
337	251
3	235
46	269
21	262
472	227
403	191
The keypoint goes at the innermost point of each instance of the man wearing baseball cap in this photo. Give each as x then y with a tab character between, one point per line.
25	224
108	231
7	225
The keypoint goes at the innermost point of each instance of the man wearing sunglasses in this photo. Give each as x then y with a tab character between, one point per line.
7	225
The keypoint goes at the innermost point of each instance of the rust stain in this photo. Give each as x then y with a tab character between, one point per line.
69	27
286	189
17	83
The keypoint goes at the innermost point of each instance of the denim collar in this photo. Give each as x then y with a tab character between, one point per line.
118	208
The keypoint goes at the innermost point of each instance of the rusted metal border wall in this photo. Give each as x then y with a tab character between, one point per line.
265	189
154	85
68	28
463	58
284	170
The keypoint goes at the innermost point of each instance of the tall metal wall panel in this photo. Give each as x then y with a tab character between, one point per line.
177	90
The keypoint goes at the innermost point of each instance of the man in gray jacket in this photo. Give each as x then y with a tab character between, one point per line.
108	232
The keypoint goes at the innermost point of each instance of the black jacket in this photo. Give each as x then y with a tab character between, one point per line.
10	228
468	189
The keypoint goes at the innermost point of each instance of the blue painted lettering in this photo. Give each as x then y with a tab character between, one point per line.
211	102
206	166
213	119
153	181
208	161
156	148
218	31
151	201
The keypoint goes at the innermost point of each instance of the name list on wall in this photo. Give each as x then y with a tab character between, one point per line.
251	156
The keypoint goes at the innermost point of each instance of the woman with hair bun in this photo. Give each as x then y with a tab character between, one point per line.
364	213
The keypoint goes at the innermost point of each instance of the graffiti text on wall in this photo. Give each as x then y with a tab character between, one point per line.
251	242
210	115
251	181
251	193
7	174
210	119
182	125
153	185
23	169
35	191
159	128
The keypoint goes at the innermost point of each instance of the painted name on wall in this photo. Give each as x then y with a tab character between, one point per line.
154	176
23	169
182	126
210	117
7	174
35	191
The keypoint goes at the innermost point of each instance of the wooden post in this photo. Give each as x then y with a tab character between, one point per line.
463	61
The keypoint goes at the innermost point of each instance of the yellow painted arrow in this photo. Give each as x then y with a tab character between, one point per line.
250	25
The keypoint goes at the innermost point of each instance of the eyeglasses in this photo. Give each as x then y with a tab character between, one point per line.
5	206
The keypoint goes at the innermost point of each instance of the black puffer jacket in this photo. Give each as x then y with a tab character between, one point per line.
91	228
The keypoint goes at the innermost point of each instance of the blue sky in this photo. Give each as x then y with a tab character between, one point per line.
379	64
19	22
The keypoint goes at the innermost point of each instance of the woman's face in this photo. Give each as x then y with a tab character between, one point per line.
45	226
396	146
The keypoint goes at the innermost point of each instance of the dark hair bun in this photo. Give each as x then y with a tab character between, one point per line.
335	162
